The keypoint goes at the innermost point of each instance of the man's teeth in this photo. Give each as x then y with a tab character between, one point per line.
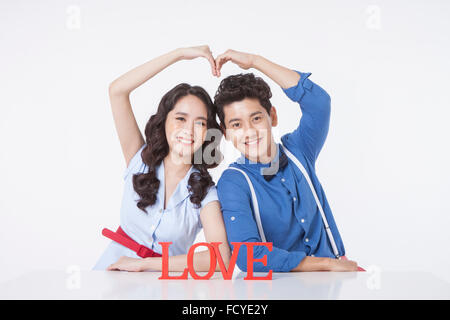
252	142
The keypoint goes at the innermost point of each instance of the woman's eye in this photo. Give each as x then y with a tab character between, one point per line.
203	124
180	118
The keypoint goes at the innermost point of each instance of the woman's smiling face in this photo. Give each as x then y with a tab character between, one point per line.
249	127
186	126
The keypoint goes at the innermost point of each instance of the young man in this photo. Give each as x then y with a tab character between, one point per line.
289	214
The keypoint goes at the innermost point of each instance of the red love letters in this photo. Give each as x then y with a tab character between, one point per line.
215	257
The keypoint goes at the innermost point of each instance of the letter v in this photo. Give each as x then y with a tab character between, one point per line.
227	274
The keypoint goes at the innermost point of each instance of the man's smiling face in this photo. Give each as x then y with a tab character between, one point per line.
249	127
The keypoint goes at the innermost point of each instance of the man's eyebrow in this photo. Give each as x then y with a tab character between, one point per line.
235	119
185	114
251	115
254	113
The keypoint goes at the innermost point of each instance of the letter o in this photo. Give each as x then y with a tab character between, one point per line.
212	261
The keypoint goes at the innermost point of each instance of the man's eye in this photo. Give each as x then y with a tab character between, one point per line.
235	125
257	118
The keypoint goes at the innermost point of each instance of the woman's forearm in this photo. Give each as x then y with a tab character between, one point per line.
140	74
201	262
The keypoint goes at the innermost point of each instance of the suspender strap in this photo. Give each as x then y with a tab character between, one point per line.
122	238
324	218
305	174
255	204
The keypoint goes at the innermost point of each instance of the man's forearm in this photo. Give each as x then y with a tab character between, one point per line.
313	264
283	76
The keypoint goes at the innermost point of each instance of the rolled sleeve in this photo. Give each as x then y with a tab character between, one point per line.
296	92
278	260
315	104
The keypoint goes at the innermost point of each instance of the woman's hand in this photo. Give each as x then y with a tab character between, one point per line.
242	59
190	53
128	264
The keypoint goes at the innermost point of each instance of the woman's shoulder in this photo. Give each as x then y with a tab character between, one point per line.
210	196
136	164
211	193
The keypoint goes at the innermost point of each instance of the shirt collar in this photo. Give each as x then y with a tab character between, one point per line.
181	191
259	167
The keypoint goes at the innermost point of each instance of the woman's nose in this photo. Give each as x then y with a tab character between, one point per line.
188	130
189	126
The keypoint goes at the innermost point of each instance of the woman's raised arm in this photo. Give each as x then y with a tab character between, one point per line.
130	137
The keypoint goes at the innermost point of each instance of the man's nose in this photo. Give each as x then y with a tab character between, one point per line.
246	127
250	132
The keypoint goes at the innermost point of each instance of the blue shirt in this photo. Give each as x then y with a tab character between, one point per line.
289	214
179	223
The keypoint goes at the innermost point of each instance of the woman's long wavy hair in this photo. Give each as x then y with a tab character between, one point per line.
147	184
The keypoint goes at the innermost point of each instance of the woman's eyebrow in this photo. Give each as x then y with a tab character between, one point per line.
186	114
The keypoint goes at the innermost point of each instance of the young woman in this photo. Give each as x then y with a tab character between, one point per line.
168	194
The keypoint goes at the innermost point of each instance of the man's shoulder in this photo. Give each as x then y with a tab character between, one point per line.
294	146
232	179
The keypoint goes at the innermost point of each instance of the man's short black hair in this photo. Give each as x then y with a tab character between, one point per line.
238	87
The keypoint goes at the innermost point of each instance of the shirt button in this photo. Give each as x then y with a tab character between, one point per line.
232	218
294	198
303	220
283	179
160	210
312	255
306	240
153	227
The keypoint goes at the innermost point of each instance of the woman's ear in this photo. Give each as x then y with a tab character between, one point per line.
273	116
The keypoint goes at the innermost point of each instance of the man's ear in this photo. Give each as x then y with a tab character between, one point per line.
273	116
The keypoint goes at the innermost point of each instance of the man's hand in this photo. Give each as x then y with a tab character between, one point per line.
309	264
342	265
242	59
127	264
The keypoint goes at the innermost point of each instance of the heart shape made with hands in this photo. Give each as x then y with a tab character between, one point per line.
242	59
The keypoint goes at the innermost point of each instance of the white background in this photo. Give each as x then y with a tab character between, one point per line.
384	164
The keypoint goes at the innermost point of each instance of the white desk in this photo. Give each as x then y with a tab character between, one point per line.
145	285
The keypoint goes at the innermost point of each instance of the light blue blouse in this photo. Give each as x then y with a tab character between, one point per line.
179	223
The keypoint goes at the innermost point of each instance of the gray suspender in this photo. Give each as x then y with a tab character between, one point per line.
319	205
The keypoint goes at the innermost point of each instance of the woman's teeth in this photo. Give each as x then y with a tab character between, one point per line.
185	141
